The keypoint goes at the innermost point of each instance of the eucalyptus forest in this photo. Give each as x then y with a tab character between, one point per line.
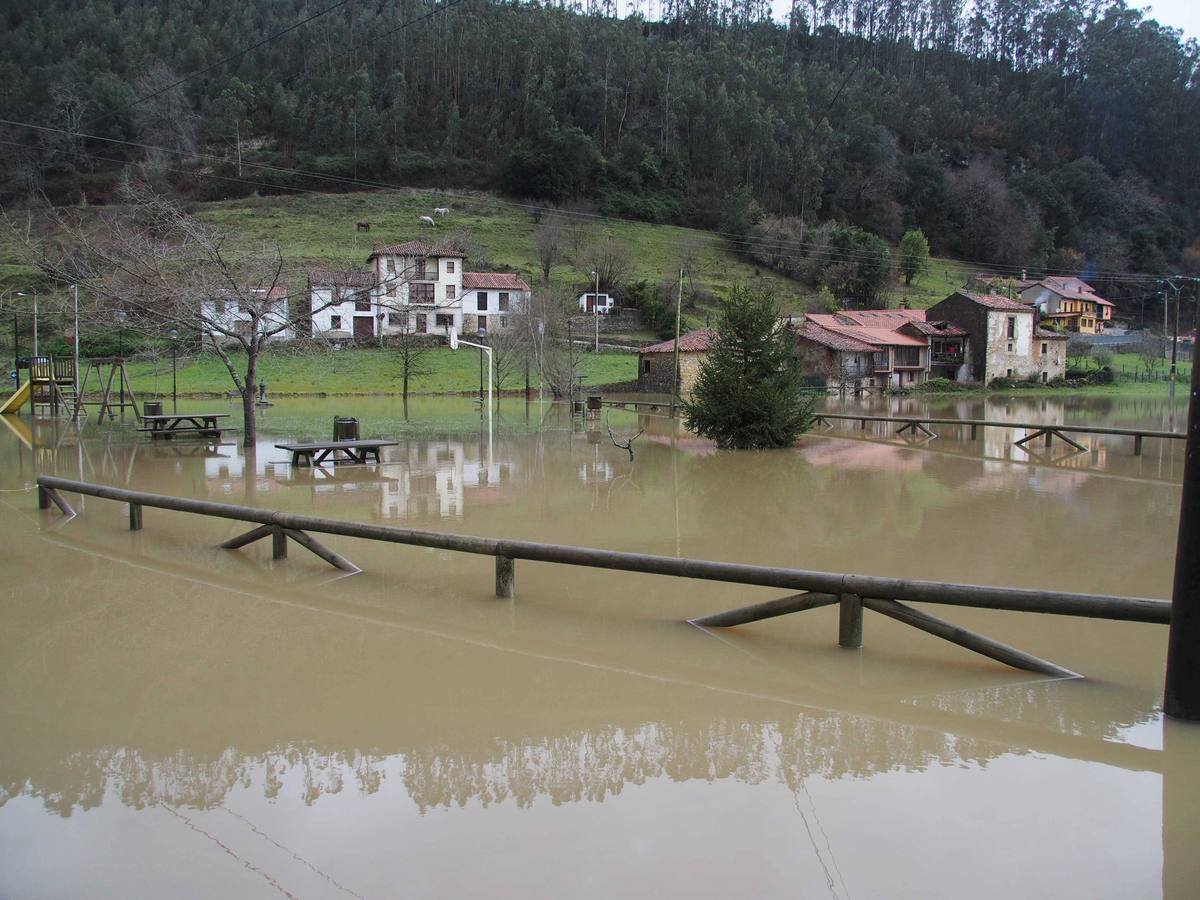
1022	133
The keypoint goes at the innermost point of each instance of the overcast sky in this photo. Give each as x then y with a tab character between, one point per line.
1183	14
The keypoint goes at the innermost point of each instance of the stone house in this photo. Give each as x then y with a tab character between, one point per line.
839	359
1004	337
655	362
898	358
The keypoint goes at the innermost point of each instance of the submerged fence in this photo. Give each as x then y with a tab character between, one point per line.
852	593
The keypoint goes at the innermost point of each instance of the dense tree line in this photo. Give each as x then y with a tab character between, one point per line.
1024	132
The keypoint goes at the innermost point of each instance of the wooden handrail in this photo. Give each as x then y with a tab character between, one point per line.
979	423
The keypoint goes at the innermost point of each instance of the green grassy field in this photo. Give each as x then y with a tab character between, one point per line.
356	371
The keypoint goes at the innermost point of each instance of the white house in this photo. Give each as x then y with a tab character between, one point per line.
490	298
417	288
229	314
604	303
341	305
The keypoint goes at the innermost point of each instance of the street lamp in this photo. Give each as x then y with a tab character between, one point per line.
596	311
120	315
35	320
173	334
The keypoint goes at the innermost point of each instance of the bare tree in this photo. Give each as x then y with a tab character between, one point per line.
410	347
164	118
543	331
163	270
509	353
608	258
549	240
1152	351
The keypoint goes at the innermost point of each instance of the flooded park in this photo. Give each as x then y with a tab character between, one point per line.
185	720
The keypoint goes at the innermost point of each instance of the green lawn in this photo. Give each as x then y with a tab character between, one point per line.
356	371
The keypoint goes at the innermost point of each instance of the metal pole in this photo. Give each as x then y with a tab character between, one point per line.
35	325
1181	696
16	350
675	359
596	314
75	296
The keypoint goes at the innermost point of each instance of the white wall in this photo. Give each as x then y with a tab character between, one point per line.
233	315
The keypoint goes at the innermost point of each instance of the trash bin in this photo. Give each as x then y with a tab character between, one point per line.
152	408
595	402
345	428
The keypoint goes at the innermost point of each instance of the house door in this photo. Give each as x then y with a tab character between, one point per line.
364	328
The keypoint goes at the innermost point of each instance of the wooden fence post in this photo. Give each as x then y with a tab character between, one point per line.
850	621
506	577
135	517
43	498
278	543
1181	697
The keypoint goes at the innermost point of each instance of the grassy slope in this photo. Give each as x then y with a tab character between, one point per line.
356	371
321	229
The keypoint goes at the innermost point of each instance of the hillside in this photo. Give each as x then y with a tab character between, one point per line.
320	229
1041	135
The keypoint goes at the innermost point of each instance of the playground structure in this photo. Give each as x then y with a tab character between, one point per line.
54	389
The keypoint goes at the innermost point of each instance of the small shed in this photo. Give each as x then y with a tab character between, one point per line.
654	362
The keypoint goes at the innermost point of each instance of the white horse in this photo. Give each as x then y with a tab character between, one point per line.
441	211
426	220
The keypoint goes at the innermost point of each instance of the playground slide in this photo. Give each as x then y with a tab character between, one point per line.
17	400
20	428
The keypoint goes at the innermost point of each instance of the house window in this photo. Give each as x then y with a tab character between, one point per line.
449	267
391	266
1045	377
422	323
1012	328
483	323
645	367
1010	346
481	301
503	302
1008	373
449	292
1045	348
335	323
362	302
503	321
391	291
420	293
419	269
444	321
219	307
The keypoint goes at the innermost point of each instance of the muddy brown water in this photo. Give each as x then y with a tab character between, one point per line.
185	721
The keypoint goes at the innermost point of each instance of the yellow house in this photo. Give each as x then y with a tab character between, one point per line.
1071	303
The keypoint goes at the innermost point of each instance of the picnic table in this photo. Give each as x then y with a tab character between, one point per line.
166	426
315	453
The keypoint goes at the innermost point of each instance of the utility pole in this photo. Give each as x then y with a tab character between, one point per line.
596	312
675	360
75	298
1181	696
1175	336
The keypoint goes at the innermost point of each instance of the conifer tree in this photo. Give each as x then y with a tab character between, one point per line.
749	392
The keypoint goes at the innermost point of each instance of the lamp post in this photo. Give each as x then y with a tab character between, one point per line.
596	311
174	335
455	343
120	315
35	320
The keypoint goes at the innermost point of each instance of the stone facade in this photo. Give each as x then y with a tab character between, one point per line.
654	372
1004	337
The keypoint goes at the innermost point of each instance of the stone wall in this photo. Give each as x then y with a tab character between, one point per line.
654	372
617	321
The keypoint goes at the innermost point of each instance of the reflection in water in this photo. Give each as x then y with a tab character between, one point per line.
581	732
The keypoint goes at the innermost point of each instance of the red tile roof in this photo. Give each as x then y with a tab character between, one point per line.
340	278
504	281
416	248
995	301
692	342
937	329
879	329
835	340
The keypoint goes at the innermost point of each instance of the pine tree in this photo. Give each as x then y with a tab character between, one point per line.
749	392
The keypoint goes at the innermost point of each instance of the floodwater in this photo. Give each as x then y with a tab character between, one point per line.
185	721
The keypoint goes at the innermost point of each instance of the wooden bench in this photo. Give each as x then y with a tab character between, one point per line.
168	426
313	454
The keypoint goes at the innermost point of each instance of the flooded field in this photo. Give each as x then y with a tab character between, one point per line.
187	721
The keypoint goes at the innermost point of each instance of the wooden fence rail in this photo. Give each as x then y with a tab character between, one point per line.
1036	429
852	592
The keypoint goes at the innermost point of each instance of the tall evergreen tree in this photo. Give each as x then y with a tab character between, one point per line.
749	392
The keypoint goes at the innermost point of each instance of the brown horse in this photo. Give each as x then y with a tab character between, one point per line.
363	226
